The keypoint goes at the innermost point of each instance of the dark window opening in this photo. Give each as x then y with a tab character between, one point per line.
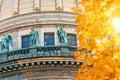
49	39
25	41
71	40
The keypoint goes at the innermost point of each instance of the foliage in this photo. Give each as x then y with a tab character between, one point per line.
99	39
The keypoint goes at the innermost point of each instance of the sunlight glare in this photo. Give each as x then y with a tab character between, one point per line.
116	23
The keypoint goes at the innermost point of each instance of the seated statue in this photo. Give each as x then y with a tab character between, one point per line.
6	40
34	37
62	36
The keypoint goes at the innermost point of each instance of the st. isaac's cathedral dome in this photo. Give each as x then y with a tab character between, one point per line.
37	40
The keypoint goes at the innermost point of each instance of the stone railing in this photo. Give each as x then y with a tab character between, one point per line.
42	51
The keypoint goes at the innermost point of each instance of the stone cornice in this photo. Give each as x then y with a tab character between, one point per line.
37	18
43	63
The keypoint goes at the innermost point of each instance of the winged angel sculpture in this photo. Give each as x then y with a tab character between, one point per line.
6	40
34	37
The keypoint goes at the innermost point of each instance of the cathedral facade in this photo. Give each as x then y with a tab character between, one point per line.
31	43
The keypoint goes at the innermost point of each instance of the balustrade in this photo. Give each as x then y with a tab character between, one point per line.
42	51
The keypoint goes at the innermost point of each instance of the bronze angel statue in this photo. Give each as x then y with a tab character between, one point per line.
34	37
62	36
6	40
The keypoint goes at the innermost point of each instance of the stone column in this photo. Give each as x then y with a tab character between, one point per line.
0	4
36	5
15	40
15	7
39	32
59	4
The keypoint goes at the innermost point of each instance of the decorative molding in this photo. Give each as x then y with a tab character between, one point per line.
41	64
37	19
59	4
36	5
15	7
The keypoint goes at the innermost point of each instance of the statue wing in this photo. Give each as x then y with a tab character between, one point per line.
10	40
37	37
